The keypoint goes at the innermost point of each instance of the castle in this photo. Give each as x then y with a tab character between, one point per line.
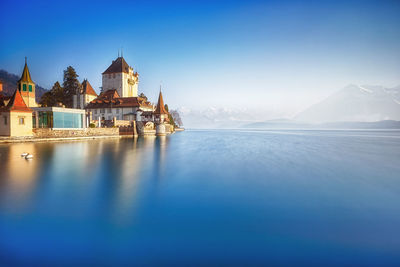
118	105
119	99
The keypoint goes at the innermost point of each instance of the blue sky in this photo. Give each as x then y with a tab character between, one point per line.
280	55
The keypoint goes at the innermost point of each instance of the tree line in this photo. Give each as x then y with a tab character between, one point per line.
62	95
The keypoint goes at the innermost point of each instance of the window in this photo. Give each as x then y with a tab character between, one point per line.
21	120
30	88
5	120
102	110
67	120
24	87
95	111
109	110
117	110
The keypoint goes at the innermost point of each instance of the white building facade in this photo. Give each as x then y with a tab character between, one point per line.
109	105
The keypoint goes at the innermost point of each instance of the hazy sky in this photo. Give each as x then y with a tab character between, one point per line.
281	55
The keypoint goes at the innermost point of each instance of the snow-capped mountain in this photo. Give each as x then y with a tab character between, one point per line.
361	103
222	117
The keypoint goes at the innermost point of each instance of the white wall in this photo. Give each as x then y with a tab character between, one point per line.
119	81
113	81
109	114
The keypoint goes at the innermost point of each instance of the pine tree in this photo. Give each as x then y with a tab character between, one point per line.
71	85
58	93
47	100
53	97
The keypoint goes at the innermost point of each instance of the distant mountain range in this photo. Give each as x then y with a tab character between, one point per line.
355	103
10	84
292	124
355	106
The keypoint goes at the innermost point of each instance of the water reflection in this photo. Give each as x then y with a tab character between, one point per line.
18	175
227	196
103	173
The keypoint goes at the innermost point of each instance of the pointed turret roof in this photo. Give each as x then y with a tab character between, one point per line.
26	76
87	88
117	66
16	103
160	109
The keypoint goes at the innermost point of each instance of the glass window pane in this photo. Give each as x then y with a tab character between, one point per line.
67	120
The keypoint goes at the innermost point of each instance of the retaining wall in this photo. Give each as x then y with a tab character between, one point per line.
50	133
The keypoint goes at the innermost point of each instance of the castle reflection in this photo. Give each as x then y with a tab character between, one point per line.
105	173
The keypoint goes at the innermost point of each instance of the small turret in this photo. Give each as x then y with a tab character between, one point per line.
27	87
160	108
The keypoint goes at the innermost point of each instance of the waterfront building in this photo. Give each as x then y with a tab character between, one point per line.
84	95
27	87
109	104
15	117
121	77
59	118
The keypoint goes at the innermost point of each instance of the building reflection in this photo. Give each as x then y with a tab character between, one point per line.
160	156
18	175
85	178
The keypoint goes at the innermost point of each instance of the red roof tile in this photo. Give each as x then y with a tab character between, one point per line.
16	104
160	109
111	98
87	88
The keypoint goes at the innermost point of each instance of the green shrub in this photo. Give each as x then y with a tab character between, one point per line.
92	125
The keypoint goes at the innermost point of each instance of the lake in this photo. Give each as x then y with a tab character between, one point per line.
204	197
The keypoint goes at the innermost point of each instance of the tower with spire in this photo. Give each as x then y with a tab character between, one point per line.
160	113
27	87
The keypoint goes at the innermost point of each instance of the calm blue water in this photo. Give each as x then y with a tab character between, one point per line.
204	197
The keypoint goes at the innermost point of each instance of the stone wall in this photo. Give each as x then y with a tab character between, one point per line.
119	123
50	133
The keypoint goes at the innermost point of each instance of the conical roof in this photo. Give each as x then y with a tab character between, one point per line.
160	109
87	88
16	103
117	66
26	76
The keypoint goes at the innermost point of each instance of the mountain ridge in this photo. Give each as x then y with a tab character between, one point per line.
355	103
10	84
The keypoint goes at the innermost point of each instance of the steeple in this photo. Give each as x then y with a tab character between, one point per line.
160	109
26	76
27	87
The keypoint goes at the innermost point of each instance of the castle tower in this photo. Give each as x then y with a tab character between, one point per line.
27	87
121	77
